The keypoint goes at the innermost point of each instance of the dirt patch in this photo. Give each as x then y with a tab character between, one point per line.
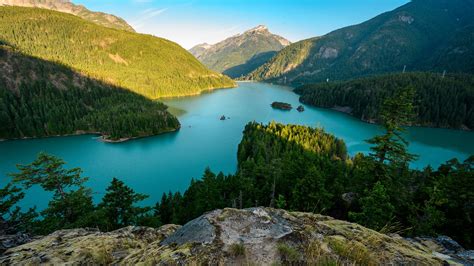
118	59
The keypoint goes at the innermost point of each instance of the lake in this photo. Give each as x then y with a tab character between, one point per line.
167	162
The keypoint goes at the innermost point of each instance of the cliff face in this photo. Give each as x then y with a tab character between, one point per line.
260	236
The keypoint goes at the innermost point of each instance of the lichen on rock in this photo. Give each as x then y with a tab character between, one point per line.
261	236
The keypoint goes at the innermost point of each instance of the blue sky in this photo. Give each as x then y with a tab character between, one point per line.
190	22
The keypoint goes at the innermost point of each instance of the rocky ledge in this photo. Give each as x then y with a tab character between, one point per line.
260	236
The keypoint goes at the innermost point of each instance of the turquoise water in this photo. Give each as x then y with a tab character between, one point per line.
168	162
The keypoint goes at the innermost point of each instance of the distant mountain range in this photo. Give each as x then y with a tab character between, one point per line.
240	54
422	35
66	6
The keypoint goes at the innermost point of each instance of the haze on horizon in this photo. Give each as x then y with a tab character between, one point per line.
191	22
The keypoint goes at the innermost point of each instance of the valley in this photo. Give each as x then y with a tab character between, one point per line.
154	165
348	141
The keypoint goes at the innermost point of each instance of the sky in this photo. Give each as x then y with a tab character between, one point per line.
191	22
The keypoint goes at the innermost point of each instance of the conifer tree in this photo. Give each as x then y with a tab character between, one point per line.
9	197
377	211
48	172
119	206
391	147
71	200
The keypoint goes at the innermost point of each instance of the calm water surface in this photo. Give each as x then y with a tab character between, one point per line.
168	162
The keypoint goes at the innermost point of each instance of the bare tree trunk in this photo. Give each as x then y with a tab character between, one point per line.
240	199
61	191
272	199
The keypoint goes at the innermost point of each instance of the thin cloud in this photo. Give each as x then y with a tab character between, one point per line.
146	15
142	1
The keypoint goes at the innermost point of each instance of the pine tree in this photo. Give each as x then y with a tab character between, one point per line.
12	219
71	211
70	202
48	171
119	207
376	209
391	147
310	194
9	197
163	209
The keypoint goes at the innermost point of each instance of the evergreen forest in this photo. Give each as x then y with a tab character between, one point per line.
441	101
282	166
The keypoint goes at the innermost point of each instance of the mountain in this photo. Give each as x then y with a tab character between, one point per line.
39	98
199	49
423	35
446	102
151	66
67	6
242	53
264	236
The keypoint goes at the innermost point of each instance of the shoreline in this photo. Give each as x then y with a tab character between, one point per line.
343	110
101	137
195	94
373	122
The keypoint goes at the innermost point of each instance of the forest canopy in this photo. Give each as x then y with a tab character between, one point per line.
441	101
283	166
148	65
42	99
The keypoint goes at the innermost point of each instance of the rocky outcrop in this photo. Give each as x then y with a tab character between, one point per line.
261	236
86	246
10	241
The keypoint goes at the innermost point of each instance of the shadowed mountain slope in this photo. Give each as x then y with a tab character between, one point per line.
423	35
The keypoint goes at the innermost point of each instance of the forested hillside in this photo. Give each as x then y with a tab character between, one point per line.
144	64
283	166
305	169
277	165
423	35
446	102
67	6
40	98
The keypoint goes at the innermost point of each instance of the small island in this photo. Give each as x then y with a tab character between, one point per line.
282	106
300	108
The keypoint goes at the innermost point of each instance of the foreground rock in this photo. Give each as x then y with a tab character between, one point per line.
261	236
9	241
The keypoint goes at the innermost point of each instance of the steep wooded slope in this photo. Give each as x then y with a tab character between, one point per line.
423	35
144	64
